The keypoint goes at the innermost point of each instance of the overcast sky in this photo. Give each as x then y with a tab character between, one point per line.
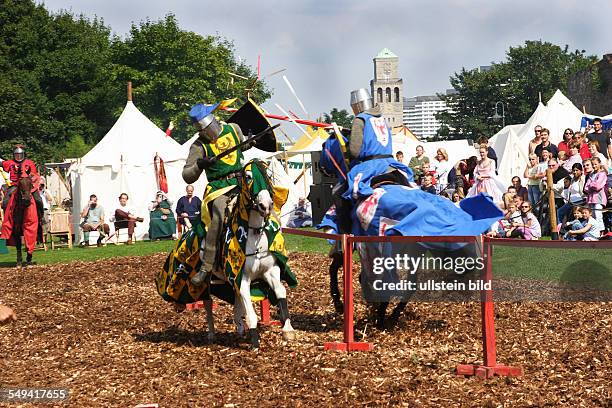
327	47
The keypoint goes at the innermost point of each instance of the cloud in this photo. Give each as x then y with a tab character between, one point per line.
328	47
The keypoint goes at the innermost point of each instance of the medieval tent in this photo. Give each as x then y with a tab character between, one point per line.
123	162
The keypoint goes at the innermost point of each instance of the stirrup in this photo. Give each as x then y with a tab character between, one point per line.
200	278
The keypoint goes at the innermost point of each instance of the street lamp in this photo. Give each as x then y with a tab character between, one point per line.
503	115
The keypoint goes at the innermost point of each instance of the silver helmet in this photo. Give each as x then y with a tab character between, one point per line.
19	154
209	128
361	101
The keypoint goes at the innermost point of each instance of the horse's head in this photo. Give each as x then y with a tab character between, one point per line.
256	188
24	189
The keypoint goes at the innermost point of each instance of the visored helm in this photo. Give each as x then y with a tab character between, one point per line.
361	101
19	154
204	120
209	128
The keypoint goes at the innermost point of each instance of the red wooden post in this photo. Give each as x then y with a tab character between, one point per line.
348	344
265	315
489	348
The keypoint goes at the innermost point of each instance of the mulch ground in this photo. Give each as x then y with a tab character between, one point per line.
100	330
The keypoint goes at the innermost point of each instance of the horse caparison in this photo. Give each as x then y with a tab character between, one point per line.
23	199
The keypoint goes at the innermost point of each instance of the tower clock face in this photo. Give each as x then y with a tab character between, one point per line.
387	71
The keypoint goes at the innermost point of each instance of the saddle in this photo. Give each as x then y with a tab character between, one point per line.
390	177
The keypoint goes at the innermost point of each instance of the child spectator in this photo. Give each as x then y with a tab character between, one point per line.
426	170
573	225
594	187
456	198
530	228
590	231
504	228
427	185
508	196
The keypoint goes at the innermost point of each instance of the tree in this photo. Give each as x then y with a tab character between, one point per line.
63	75
533	68
53	79
174	69
76	147
340	117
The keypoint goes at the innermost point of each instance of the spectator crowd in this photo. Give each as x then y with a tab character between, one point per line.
581	183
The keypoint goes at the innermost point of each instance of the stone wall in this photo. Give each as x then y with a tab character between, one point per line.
581	88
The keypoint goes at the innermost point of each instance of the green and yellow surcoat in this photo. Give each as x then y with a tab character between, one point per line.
216	173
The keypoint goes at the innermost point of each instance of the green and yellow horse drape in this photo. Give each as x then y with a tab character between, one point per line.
173	282
254	180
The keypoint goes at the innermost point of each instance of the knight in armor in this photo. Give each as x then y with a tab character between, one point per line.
21	167
214	138
370	156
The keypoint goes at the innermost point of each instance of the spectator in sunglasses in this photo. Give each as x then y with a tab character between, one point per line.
564	146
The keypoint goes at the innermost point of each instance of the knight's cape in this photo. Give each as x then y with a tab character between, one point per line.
30	223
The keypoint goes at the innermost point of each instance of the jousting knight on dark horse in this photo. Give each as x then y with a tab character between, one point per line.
21	204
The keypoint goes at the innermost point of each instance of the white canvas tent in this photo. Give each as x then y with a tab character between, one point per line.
511	159
122	162
512	142
558	115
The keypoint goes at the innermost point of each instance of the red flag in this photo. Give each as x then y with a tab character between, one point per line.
160	174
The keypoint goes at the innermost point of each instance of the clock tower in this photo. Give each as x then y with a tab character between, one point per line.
386	87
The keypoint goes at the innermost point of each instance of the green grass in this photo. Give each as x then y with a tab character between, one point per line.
298	243
92	253
558	265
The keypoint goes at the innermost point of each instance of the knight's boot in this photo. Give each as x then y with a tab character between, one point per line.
201	277
29	259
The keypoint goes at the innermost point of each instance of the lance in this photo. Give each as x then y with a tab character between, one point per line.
313	123
246	142
6	180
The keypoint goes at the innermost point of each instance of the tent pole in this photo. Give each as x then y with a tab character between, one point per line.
304	167
129	91
286	161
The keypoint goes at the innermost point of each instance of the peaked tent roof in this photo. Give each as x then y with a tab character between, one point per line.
313	142
133	140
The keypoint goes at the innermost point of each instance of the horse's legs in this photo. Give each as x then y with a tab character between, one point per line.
210	319
272	278
381	311
18	250
238	317
397	312
334	267
251	316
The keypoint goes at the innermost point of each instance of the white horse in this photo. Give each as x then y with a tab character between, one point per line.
260	263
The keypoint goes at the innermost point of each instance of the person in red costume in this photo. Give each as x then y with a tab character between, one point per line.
18	168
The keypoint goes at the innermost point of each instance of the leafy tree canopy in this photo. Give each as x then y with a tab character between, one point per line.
533	68
63	77
341	117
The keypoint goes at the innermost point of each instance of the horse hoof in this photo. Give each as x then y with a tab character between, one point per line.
338	306
254	339
289	335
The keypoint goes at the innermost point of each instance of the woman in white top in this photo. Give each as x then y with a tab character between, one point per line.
442	168
533	175
575	193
